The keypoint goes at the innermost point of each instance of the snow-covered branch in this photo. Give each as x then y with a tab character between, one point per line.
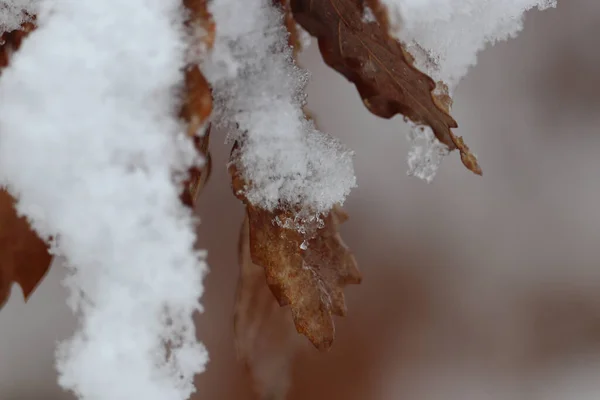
91	147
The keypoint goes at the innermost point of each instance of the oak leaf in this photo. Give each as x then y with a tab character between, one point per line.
306	271
363	51
265	336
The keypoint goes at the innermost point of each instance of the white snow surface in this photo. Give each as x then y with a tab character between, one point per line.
260	89
446	35
426	153
90	145
14	12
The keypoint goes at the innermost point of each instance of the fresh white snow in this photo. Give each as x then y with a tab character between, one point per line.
259	88
14	12
90	144
445	37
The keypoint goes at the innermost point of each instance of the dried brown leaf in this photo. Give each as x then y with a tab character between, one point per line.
197	104
383	72
24	257
308	271
265	336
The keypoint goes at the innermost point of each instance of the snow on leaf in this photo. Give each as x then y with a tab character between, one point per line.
24	257
306	271
378	65
446	35
92	142
443	38
259	96
265	337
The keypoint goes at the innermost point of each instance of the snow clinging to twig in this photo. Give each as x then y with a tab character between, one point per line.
90	145
259	88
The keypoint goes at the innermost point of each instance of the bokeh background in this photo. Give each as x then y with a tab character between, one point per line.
474	288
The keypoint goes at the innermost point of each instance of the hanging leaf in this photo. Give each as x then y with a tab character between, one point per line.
306	264
306	271
363	51
265	337
24	257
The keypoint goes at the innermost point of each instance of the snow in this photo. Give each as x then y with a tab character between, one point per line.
259	88
368	15
426	153
91	145
303	37
445	36
14	12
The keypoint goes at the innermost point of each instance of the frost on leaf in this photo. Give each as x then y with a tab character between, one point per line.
306	271
363	51
265	337
24	257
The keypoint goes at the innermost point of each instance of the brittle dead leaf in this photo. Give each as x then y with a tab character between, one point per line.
364	52
307	271
197	103
24	257
265	336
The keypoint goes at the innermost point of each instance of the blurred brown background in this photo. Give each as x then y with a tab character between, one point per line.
474	288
